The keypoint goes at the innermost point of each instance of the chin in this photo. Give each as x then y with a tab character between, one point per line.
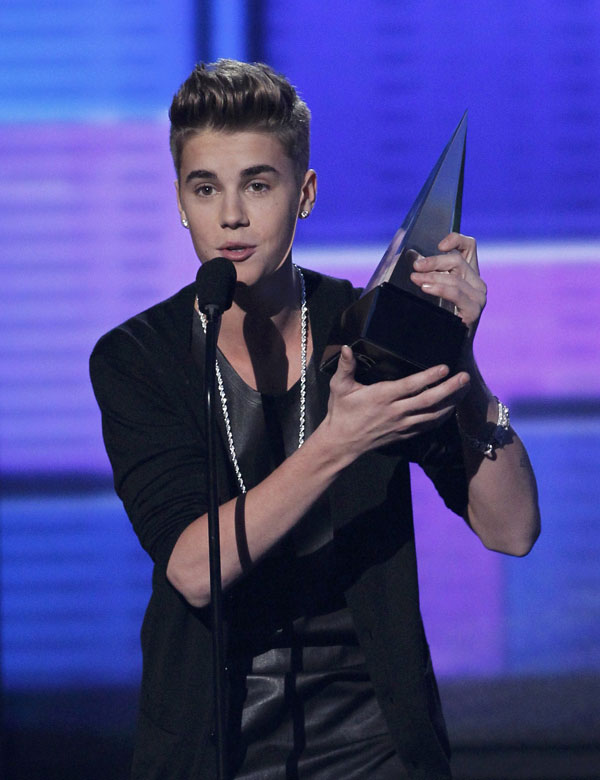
249	273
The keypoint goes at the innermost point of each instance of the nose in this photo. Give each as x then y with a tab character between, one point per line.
233	212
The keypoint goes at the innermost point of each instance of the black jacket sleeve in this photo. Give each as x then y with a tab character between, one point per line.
152	437
439	454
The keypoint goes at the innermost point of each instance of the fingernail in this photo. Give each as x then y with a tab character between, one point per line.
420	262
443	370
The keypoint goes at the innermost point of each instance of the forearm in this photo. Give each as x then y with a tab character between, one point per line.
252	524
359	418
503	504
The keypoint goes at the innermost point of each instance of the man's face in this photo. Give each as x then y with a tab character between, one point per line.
241	199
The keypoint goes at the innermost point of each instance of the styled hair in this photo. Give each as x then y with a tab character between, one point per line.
231	95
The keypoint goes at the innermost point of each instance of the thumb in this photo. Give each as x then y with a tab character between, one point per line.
346	364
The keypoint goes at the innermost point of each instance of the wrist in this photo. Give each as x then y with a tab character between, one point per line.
491	434
331	453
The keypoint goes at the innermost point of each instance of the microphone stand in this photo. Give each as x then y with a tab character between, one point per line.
213	322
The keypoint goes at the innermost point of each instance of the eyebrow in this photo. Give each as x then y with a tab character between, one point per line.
254	170
200	174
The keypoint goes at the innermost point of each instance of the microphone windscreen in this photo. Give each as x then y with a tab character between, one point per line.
215	284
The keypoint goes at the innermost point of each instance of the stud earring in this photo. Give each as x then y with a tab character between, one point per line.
304	214
184	222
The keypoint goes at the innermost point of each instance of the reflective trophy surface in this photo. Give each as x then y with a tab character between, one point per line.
394	328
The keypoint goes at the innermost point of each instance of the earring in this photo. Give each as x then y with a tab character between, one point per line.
304	214
184	222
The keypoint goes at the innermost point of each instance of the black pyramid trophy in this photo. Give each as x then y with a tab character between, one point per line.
394	328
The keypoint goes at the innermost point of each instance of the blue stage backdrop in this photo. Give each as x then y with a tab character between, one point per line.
90	235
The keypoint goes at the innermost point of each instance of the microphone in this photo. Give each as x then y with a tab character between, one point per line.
215	283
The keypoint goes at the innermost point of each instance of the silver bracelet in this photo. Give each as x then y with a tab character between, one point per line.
497	438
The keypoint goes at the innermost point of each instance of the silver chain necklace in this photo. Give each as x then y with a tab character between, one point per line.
223	396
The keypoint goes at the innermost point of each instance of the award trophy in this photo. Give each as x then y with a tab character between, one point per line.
394	328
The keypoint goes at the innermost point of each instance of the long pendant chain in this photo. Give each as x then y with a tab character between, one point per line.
303	363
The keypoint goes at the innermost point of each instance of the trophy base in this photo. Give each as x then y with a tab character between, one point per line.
394	334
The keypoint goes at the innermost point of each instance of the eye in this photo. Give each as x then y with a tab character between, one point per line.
205	190
258	186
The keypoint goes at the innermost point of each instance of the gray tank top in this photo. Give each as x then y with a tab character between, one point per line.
301	700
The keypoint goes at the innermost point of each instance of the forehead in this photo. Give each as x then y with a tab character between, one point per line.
227	151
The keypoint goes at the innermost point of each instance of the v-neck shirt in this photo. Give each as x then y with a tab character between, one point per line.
301	696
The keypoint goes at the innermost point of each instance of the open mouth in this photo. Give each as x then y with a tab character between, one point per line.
237	251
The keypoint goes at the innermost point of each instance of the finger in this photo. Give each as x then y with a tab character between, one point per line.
467	306
412	385
429	416
428	421
347	361
446	262
452	263
442	395
345	367
412	255
470	287
464	244
468	293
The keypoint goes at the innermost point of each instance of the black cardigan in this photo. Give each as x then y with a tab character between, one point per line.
149	387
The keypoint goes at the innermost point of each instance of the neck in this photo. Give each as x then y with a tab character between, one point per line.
261	333
274	301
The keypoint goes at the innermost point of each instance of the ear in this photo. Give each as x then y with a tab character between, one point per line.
179	206
308	191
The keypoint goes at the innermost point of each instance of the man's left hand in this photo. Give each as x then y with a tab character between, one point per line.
454	276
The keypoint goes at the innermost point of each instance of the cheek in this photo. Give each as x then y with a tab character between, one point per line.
201	234
286	224
200	246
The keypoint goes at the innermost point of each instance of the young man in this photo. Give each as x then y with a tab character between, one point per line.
329	670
